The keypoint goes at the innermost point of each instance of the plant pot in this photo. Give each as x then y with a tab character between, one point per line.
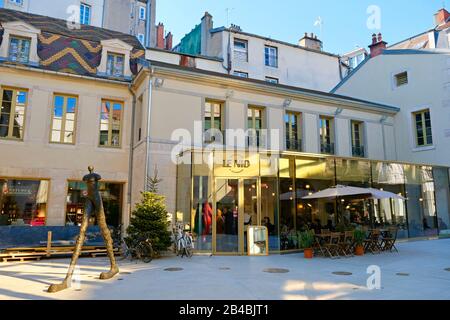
359	250
308	253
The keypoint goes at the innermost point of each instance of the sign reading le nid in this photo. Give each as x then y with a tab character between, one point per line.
238	166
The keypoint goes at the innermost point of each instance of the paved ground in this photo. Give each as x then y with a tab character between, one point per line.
422	265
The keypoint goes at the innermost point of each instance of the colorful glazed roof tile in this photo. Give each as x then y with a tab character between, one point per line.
64	49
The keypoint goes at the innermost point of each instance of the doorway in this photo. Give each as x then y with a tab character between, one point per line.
237	205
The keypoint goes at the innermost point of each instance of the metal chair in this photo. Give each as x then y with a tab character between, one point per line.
388	243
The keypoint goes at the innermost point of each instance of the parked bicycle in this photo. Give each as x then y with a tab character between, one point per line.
138	248
183	241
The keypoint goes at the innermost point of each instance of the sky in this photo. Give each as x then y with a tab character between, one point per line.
346	24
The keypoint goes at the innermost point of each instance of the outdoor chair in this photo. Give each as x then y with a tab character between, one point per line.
346	244
388	242
317	246
372	243
331	247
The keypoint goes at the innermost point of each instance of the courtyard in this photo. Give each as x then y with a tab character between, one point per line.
421	270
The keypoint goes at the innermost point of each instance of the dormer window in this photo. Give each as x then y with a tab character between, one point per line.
115	65
19	49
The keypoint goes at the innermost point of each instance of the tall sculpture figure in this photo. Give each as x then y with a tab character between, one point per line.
94	205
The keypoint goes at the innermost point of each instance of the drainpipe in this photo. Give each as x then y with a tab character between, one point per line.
131	158
149	113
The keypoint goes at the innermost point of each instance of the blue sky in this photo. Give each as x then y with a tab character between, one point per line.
344	21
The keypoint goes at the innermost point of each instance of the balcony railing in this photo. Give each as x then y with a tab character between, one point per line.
327	148
294	145
256	140
358	152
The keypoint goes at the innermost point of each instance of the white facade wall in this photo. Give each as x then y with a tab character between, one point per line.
428	88
296	66
61	11
179	103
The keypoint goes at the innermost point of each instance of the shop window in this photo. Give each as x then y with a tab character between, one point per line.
313	175
112	202
115	65
23	202
64	119
12	113
19	49
111	124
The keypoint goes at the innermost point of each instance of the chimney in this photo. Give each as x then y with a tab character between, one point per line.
311	42
168	41
160	36
378	45
441	17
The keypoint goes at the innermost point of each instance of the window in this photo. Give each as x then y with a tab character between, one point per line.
23	202
357	139
16	2
401	79
271	56
141	38
111	124
64	119
272	80
142	12
213	120
85	14
255	125
12	113
326	135
115	65
19	49
292	121
240	74
424	136
111	194
241	50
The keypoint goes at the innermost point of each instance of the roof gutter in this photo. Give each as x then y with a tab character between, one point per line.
64	74
329	99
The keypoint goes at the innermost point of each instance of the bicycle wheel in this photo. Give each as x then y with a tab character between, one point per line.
145	252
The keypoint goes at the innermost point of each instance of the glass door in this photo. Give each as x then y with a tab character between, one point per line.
236	208
250	204
227	216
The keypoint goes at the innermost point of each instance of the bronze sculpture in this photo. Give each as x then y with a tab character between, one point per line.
93	205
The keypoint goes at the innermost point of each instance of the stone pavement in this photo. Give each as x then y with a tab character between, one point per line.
417	272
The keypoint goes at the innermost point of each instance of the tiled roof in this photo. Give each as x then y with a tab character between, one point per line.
76	51
59	26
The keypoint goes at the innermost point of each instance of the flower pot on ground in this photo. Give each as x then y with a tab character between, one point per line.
306	243
359	237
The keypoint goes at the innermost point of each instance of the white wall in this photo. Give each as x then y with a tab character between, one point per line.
296	66
428	87
48	8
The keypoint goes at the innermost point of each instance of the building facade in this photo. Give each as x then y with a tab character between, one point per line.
251	56
231	152
135	17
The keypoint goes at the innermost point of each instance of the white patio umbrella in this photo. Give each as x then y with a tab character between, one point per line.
381	194
338	191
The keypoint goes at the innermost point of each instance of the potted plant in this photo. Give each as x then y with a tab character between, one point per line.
359	237
306	243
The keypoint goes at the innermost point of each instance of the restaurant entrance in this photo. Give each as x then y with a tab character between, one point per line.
236	207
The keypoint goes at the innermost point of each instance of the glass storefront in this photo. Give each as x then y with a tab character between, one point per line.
23	202
242	190
112	202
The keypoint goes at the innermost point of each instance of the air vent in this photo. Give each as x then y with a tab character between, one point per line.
401	79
